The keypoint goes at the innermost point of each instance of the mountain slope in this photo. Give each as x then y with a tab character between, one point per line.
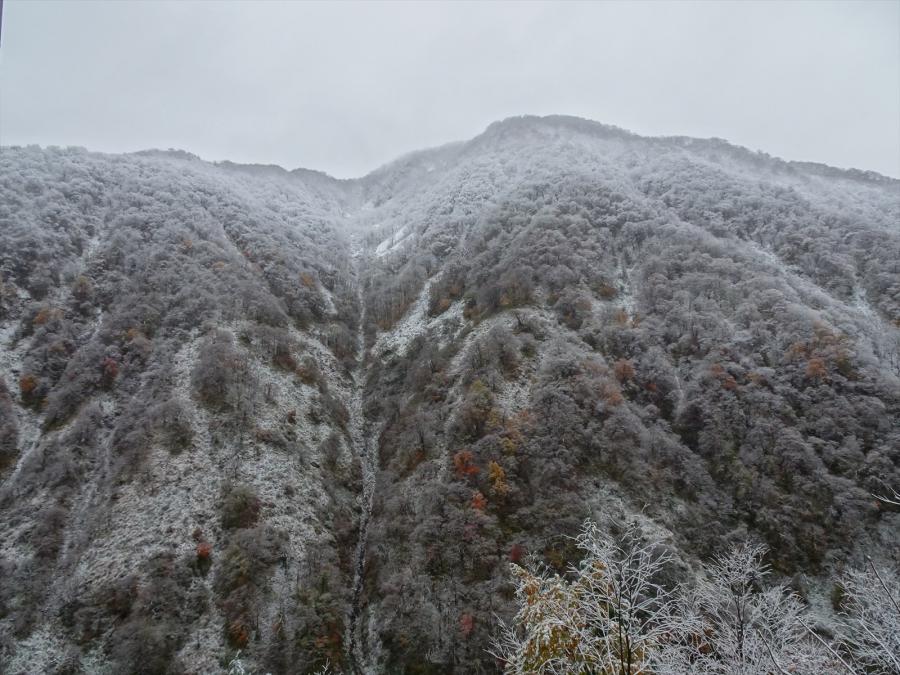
310	419
594	322
181	342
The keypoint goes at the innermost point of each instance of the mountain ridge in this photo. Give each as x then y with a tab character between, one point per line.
314	420
522	121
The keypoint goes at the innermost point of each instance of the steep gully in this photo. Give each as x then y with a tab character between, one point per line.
361	435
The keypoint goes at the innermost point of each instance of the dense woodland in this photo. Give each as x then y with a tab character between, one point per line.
269	420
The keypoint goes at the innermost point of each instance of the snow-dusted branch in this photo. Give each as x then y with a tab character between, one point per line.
893	498
611	615
870	624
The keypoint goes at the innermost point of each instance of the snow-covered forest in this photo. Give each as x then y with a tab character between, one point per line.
271	421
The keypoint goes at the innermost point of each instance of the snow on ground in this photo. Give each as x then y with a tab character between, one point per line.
270	469
283	393
330	309
456	363
204	647
625	290
28	422
12	353
794	277
862	305
176	495
504	319
865	319
512	396
413	324
884	336
679	389
366	450
12	356
334	373
392	242
181	492
44	651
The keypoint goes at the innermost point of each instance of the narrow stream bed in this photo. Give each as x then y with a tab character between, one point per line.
365	450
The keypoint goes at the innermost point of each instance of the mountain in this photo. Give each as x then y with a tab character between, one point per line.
244	408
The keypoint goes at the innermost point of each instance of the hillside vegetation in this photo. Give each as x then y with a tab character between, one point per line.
310	421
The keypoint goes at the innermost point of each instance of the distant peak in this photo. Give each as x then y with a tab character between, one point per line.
568	122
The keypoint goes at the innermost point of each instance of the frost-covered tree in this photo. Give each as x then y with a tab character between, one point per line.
742	626
870	620
611	614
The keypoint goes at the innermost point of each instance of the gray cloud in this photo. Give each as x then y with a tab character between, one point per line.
344	87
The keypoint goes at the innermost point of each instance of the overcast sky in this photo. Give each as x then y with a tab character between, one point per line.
345	87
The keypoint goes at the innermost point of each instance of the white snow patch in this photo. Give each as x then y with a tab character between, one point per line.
392	242
283	394
177	493
204	648
679	388
475	335
11	355
443	328
794	276
451	320
510	395
330	309
44	651
625	288
884	336
513	395
367	452
12	364
414	323
865	310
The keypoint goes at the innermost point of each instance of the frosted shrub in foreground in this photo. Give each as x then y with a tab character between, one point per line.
614	616
610	618
870	624
744	627
870	616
